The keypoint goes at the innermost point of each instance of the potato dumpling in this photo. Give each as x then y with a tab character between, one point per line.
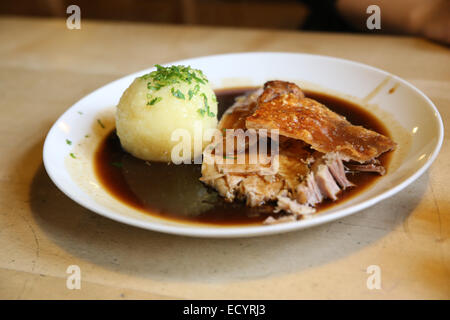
157	104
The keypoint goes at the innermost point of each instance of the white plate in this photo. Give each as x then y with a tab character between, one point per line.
412	118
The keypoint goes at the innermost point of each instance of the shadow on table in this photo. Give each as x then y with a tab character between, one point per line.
148	254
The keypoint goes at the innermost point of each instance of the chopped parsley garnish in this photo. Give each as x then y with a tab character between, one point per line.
101	123
68	142
177	93
73	155
172	75
154	100
205	110
202	81
117	164
79	112
86	136
192	93
165	76
153	87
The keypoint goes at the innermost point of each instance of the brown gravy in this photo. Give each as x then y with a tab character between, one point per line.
175	192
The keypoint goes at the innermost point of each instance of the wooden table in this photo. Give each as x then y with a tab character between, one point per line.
45	68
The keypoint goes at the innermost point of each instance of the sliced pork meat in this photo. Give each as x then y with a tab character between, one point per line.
325	180
257	190
283	219
337	169
308	192
258	183
371	166
327	185
304	177
315	147
290	205
284	108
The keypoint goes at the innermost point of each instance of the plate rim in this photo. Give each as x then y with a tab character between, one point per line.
211	231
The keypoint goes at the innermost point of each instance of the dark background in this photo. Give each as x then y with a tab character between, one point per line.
268	14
